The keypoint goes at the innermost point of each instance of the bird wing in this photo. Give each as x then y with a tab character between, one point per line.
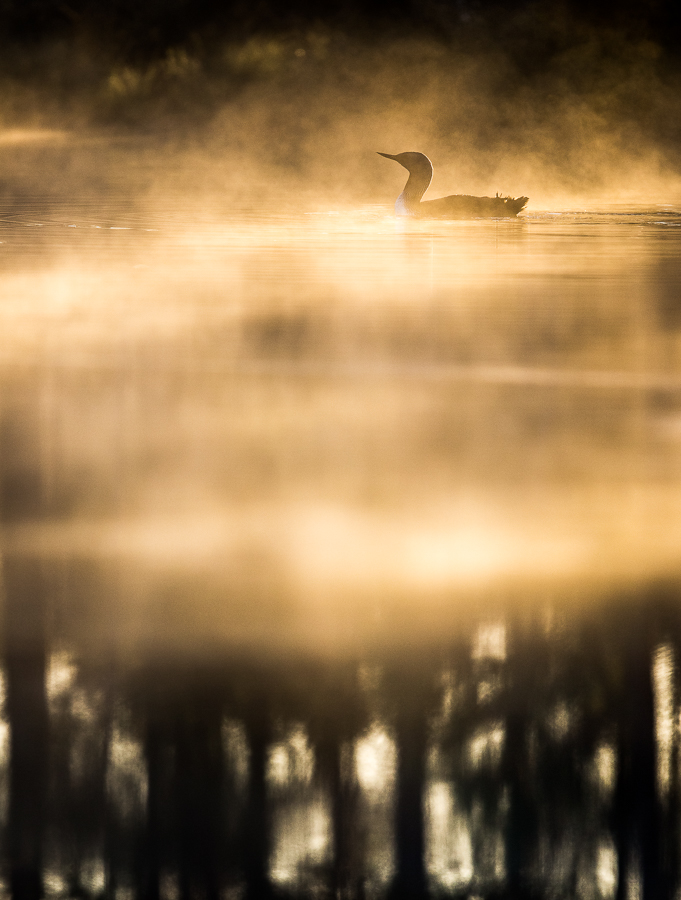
464	206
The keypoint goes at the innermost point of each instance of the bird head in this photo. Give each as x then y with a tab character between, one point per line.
415	163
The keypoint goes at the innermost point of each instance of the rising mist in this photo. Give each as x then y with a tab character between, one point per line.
546	103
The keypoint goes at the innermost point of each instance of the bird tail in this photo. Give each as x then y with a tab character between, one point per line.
516	203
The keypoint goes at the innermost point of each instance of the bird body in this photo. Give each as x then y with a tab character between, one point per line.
456	206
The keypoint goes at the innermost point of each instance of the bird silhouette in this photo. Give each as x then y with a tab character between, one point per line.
456	206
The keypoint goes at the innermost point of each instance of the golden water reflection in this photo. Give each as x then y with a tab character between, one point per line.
348	424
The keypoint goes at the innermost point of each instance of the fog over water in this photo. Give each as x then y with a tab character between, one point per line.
335	405
340	553
291	120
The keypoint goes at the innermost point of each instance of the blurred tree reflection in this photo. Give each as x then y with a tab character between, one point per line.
552	738
26	587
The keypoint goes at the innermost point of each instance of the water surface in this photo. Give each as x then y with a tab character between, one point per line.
344	537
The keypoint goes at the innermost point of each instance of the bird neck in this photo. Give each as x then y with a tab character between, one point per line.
414	189
403	207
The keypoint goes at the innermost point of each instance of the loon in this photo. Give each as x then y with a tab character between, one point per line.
457	206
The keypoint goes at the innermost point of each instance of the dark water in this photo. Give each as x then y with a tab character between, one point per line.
340	556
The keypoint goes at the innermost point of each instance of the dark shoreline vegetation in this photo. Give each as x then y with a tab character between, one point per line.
148	67
145	31
303	111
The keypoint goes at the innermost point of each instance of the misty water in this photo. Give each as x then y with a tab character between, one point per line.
341	554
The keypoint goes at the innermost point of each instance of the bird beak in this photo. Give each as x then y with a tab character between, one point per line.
387	155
